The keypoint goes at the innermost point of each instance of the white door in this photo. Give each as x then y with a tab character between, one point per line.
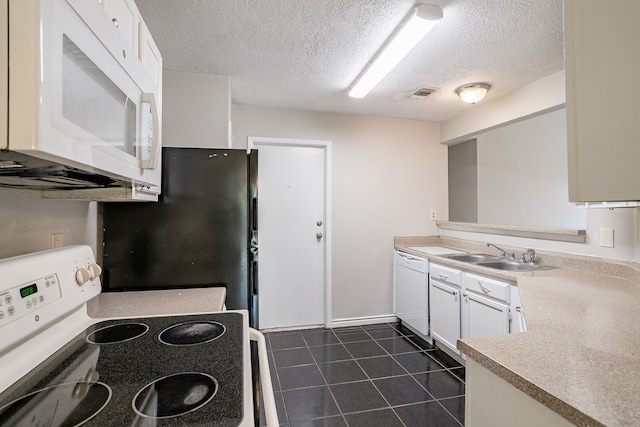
485	317
445	313
292	236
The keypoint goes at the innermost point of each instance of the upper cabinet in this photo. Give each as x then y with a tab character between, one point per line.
603	113
126	18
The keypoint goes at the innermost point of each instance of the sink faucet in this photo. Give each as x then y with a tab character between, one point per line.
532	256
502	251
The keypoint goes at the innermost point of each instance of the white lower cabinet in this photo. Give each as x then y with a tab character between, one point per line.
445	313
486	308
445	305
466	305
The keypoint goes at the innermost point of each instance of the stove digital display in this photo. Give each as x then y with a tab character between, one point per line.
28	290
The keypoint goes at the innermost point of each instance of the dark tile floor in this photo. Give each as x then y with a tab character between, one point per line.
375	375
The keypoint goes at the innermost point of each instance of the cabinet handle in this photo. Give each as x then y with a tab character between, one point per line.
484	288
443	276
115	22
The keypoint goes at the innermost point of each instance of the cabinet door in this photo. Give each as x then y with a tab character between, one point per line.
444	310
124	15
602	72
150	55
411	298
485	317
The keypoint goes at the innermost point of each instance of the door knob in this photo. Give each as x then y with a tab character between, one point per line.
318	236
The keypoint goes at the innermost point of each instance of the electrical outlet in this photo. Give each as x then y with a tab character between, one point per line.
433	215
57	240
606	237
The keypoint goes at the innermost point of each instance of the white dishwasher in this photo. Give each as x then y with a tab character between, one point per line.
411	278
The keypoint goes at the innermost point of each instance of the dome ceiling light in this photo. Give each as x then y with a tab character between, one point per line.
473	93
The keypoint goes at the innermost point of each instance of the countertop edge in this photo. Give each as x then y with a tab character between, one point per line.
562	408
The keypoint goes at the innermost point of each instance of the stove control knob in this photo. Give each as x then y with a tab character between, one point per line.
82	276
95	270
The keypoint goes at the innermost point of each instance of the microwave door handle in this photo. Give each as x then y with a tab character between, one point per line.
150	163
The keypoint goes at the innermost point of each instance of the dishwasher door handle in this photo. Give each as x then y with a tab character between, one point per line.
409	257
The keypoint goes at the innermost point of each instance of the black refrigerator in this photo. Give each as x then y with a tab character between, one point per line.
203	231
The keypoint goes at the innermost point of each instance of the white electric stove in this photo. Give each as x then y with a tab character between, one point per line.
59	367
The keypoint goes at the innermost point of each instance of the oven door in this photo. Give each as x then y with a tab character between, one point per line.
78	94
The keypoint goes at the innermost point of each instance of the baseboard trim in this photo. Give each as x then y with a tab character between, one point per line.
359	321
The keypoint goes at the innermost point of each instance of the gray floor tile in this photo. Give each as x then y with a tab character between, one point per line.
357	396
342	371
397	345
441	384
281	342
292	357
353	336
455	406
402	390
384	333
378	367
322	422
330	353
377	418
300	376
418	362
364	349
316	337
426	414
307	403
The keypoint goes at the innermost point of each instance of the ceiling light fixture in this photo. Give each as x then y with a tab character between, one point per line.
473	92
414	27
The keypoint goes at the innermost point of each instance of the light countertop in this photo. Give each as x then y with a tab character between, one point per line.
580	355
157	303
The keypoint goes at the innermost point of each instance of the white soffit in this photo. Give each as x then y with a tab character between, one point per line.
305	54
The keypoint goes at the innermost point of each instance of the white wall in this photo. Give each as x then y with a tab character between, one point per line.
387	175
522	174
195	110
27	222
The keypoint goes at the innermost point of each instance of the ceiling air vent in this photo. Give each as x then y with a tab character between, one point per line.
421	93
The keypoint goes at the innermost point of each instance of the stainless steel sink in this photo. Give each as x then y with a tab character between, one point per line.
513	265
474	258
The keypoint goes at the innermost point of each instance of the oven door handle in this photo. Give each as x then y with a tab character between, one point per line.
270	412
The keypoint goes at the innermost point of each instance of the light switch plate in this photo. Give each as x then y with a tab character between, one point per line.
606	237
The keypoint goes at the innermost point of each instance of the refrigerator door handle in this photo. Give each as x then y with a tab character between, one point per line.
254	214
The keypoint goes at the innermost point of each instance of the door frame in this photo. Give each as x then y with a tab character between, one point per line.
256	142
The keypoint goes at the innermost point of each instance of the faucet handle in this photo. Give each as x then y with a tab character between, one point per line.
532	256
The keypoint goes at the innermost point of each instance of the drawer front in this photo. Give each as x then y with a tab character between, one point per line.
487	287
445	274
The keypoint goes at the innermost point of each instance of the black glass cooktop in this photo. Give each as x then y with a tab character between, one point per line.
161	371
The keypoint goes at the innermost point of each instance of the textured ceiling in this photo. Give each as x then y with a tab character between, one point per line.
306	53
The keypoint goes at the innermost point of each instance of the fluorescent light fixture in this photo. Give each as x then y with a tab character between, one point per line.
473	92
413	29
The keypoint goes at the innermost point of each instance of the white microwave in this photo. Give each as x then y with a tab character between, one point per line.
81	109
